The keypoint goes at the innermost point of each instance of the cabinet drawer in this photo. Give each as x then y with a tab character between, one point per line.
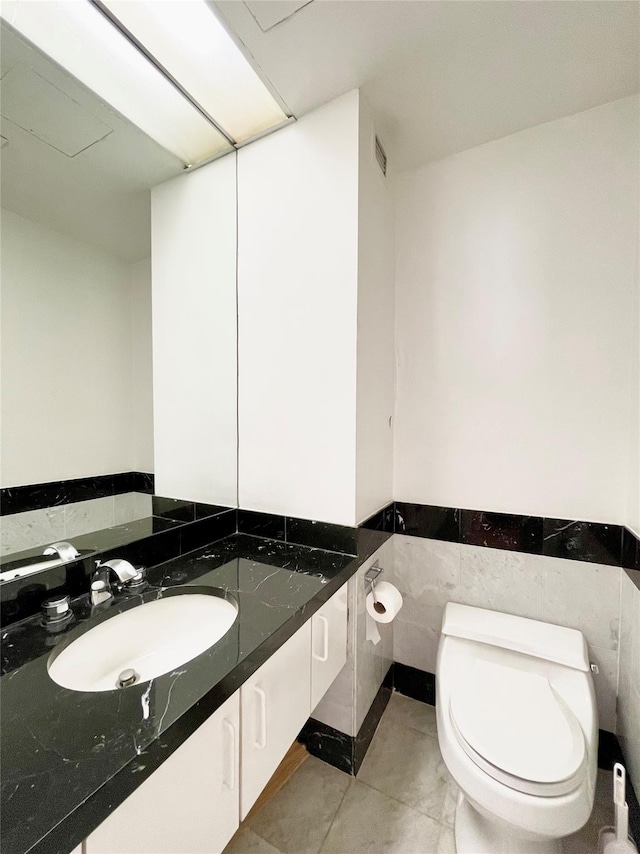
190	804
328	644
276	702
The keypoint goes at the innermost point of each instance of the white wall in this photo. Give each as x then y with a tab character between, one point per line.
141	366
515	321
193	239
66	357
297	281
375	355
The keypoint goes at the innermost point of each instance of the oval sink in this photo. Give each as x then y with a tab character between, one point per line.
150	639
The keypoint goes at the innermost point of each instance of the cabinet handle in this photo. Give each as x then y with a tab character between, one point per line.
325	638
231	755
262	742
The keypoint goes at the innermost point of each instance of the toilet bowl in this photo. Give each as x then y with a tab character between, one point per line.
518	730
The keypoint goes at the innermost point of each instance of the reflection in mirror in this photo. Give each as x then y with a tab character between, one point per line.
77	379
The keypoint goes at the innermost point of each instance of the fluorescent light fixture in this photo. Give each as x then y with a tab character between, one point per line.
187	39
77	36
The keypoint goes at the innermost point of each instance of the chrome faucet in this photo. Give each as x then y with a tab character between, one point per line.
127	575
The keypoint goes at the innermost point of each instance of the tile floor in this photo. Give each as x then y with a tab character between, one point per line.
402	801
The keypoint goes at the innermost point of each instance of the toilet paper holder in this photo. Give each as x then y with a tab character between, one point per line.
372	575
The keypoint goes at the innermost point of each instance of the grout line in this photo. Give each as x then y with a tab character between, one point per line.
335	815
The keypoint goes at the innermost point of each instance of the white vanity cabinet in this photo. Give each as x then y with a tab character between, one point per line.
193	803
328	644
275	702
189	804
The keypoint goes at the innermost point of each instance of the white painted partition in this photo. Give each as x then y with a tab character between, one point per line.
194	334
376	355
516	322
297	287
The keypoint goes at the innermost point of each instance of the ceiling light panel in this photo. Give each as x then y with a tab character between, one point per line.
78	37
187	39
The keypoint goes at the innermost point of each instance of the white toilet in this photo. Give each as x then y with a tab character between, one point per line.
518	730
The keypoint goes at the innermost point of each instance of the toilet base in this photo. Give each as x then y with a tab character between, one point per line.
476	834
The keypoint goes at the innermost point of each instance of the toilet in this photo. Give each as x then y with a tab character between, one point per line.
518	730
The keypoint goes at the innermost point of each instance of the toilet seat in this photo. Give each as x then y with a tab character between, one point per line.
516	728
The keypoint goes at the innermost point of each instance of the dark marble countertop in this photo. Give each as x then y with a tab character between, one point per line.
68	758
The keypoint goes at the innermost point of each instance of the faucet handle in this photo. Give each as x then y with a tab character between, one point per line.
123	569
138	579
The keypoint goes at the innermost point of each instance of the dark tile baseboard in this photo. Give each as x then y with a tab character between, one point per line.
414	683
37	496
592	542
345	752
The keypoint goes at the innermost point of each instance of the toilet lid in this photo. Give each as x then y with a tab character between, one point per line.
517	723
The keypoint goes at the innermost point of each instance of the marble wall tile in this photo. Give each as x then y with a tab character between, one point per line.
346	703
427	573
426	570
584	596
372	660
416	644
84	517
502	581
21	531
606	685
123	508
583	541
629	679
142	505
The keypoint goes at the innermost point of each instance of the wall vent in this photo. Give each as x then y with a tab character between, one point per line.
381	157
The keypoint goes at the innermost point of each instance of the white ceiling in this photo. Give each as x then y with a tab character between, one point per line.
440	75
71	162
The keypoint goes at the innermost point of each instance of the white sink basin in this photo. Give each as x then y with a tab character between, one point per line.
150	639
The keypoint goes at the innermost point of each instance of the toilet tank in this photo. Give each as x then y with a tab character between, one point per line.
530	637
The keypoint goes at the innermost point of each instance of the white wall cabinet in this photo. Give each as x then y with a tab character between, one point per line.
328	644
276	702
190	804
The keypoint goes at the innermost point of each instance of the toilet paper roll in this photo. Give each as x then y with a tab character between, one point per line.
388	601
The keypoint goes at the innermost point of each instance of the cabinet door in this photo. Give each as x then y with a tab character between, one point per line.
275	702
189	805
328	644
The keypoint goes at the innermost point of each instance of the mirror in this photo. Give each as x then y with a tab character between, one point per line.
77	370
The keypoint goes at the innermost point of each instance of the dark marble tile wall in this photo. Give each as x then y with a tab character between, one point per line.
302	532
565	538
36	496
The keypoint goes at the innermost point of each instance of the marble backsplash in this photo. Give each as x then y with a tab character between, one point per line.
32	528
584	596
629	682
345	706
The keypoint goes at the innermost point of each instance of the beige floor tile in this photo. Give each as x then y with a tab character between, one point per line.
369	822
603	813
404	711
446	841
406	764
297	818
585	841
247	842
448	814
